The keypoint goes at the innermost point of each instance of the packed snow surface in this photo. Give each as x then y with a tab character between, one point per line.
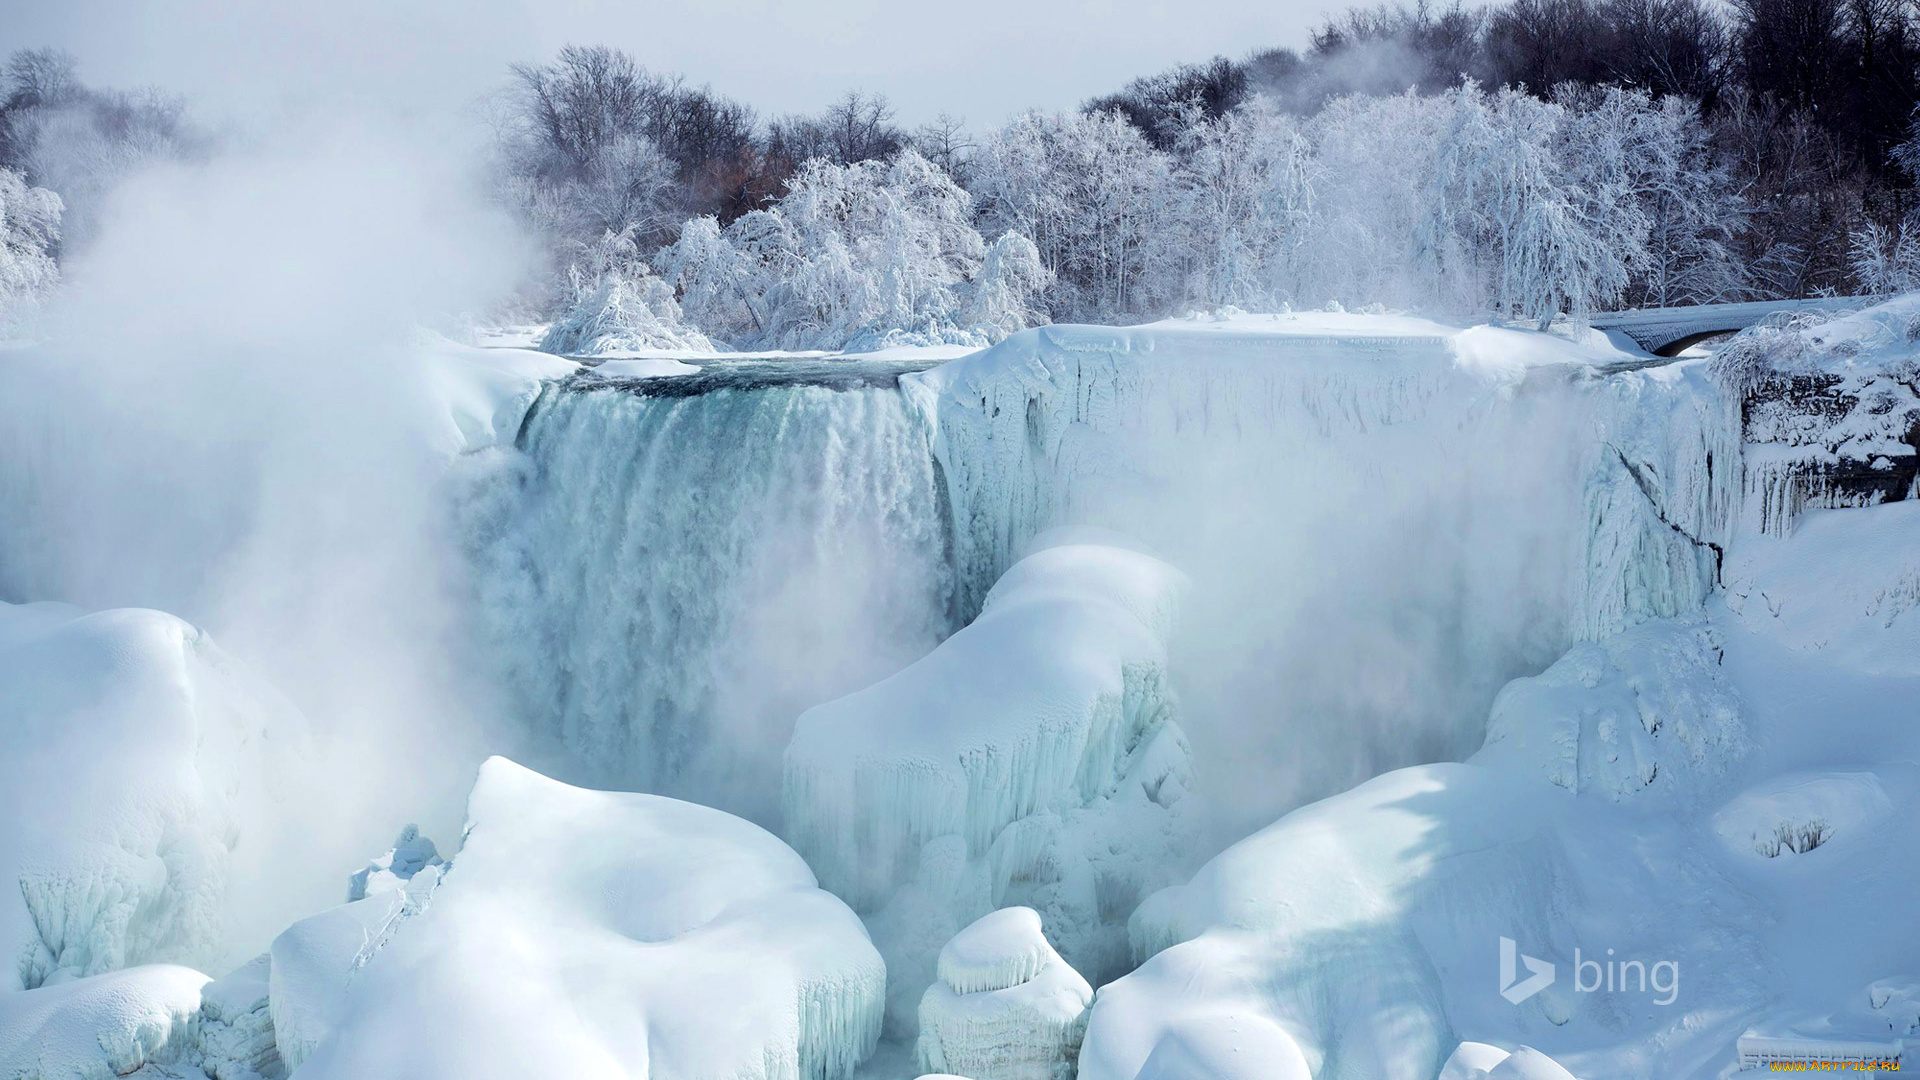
1006	1006
601	934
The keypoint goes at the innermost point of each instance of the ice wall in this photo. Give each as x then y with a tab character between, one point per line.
1385	518
667	581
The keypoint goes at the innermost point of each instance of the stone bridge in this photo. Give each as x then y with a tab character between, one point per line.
1667	331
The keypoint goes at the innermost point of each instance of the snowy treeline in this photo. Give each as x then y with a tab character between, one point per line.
1471	201
864	255
79	141
29	231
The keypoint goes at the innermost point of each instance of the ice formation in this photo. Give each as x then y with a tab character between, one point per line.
1031	758
235	1029
146	766
1005	1006
591	934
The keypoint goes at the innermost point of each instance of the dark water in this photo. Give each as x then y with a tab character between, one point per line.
757	373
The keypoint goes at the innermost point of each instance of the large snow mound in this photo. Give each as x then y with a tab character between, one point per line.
101	1026
605	934
1031	758
1359	935
144	764
1006	1006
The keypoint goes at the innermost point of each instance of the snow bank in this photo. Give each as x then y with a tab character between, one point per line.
101	1026
644	367
1006	1006
1844	586
1031	758
144	767
603	934
484	393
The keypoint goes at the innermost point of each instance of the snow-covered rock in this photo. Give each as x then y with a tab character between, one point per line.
144	764
1798	812
604	934
1031	758
100	1026
410	854
1638	711
1006	1006
1832	413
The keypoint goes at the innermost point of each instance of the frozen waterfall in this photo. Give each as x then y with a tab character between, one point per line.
669	574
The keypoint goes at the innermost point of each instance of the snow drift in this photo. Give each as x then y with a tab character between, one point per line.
592	934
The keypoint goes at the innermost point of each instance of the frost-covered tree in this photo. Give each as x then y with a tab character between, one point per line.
1005	296
1098	202
29	230
870	253
1531	211
617	304
1246	182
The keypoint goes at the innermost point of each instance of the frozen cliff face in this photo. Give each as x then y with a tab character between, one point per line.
1385	518
1006	1006
1831	410
599	934
1031	759
144	768
668	575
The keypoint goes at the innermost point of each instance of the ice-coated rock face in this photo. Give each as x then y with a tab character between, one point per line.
1006	1006
144	764
599	934
101	1026
1831	411
1031	758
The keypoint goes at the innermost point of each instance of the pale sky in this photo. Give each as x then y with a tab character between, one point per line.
980	59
